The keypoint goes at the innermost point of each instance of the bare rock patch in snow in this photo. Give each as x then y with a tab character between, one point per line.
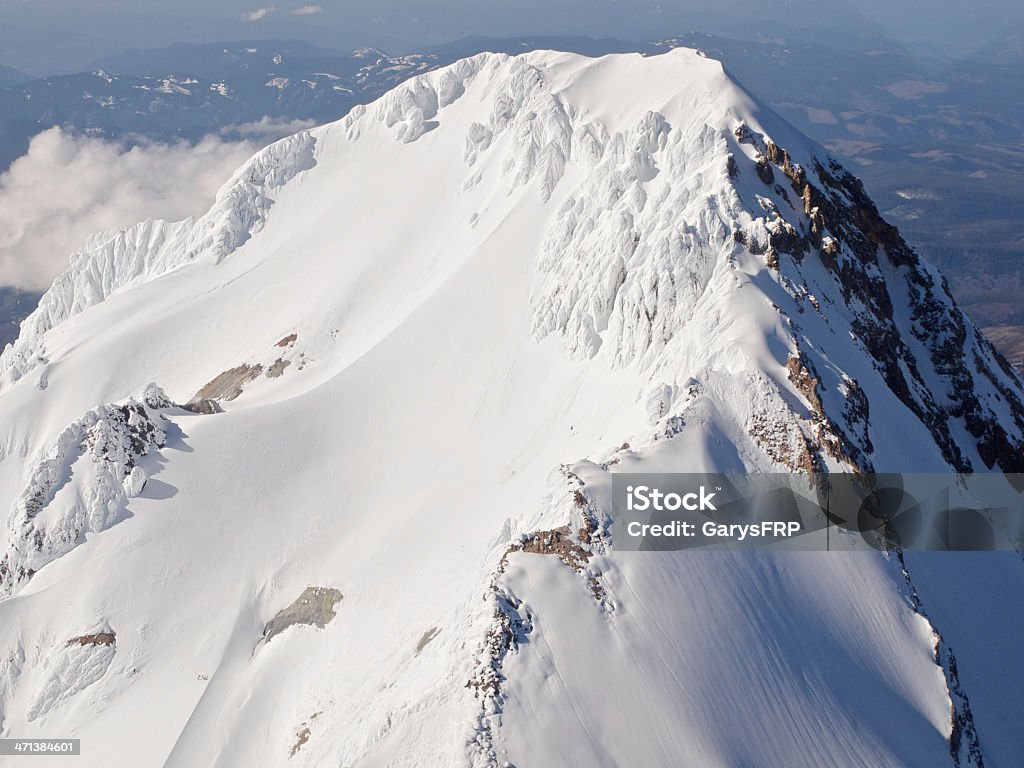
315	606
302	735
429	635
277	368
96	638
204	406
229	384
288	340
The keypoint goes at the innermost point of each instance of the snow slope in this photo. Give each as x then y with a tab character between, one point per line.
400	359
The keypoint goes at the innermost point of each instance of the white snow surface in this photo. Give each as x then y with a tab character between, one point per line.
500	270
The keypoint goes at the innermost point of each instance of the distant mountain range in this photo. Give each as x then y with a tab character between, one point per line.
220	60
187	91
10	76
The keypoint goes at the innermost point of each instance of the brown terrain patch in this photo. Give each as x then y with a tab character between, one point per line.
805	379
204	406
228	385
277	368
832	439
315	606
302	735
100	638
785	444
558	542
567	545
429	635
288	340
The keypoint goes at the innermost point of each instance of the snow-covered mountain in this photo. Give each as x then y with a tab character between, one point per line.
323	477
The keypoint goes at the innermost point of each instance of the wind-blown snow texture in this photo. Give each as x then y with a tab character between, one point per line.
412	348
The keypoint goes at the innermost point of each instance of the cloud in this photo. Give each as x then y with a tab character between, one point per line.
266	129
67	187
306	10
259	13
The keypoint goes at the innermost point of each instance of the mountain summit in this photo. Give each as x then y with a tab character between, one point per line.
370	404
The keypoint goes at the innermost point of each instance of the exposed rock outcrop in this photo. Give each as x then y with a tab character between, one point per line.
314	607
89	463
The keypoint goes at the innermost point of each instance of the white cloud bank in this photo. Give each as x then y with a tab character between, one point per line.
259	13
266	129
68	187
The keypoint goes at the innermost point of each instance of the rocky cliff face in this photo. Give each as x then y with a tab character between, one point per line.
900	313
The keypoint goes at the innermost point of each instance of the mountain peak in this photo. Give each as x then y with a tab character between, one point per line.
666	197
402	358
668	194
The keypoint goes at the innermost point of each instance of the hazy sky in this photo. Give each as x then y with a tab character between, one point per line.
70	33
